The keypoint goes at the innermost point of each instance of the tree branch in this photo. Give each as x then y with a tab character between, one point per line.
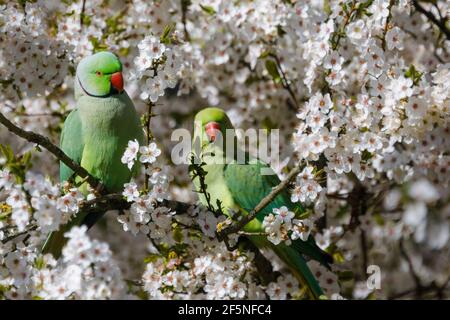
386	25
57	152
115	201
441	24
233	228
416	278
285	83
83	8
18	234
184	8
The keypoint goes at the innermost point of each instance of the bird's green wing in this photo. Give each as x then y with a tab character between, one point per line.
71	143
248	187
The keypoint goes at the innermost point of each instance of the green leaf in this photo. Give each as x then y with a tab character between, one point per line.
413	74
39	263
364	5
327	7
26	159
7	152
265	54
366	155
346	275
280	31
338	257
86	19
208	9
151	258
272	68
165	36
5	211
178	234
344	8
378	219
98	46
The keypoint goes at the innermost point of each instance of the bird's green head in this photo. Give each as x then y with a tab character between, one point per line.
209	122
100	75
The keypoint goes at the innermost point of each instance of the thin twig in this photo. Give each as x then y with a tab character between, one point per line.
16	235
48	114
364	251
250	234
285	82
341	30
83	8
184	9
149	136
386	26
441	24
416	278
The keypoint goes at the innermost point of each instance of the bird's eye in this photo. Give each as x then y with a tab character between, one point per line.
98	73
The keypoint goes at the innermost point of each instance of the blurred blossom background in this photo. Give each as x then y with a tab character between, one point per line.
360	91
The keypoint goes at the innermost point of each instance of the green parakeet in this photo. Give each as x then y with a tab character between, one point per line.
240	187
96	133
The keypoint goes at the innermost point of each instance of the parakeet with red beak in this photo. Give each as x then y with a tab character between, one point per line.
96	133
241	186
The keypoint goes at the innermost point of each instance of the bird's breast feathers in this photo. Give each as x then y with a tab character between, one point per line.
107	126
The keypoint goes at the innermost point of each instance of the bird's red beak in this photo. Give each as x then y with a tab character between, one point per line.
212	129
117	81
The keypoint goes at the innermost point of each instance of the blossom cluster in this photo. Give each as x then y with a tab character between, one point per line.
85	271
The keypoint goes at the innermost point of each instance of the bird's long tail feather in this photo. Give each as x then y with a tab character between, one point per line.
311	250
297	264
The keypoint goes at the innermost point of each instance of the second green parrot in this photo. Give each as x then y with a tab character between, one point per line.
240	187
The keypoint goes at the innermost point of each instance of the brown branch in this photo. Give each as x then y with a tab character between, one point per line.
149	138
365	258
184	8
233	228
16	235
49	114
285	83
341	29
83	8
57	152
441	24
419	286
386	26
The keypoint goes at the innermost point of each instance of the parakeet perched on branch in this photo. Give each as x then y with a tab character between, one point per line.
96	133
240	187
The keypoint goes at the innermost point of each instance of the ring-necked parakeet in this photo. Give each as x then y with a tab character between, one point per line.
240	187
96	133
